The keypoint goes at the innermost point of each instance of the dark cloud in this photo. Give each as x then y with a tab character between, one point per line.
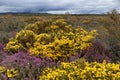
59	6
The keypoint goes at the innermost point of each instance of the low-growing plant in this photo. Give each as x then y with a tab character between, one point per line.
97	52
82	70
21	66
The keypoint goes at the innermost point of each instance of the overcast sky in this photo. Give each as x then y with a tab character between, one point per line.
59	6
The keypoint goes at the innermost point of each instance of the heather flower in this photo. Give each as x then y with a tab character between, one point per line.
1	46
97	52
27	66
2	52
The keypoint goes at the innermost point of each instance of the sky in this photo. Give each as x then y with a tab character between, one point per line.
59	6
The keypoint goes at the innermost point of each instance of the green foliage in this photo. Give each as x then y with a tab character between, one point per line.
10	23
110	33
4	37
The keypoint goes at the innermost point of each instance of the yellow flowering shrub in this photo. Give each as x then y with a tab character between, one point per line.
61	22
58	75
39	27
57	50
14	46
25	37
62	44
57	40
42	38
82	70
2	69
11	73
23	40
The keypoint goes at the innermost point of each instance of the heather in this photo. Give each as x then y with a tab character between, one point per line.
27	67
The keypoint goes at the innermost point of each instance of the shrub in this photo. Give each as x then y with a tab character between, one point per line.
62	45
112	25
5	36
57	40
81	69
10	23
38	27
86	21
2	46
23	40
43	38
14	46
97	52
114	15
26	38
2	52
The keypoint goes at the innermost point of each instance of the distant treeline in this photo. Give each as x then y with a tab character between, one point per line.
48	14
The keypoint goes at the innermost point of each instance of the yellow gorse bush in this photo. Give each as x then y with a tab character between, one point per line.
22	41
14	46
12	73
25	36
82	70
61	44
9	72
2	69
55	39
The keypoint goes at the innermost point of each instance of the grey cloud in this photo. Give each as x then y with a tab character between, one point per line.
59	6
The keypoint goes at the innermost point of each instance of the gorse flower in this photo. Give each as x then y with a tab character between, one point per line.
2	69
82	70
12	73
